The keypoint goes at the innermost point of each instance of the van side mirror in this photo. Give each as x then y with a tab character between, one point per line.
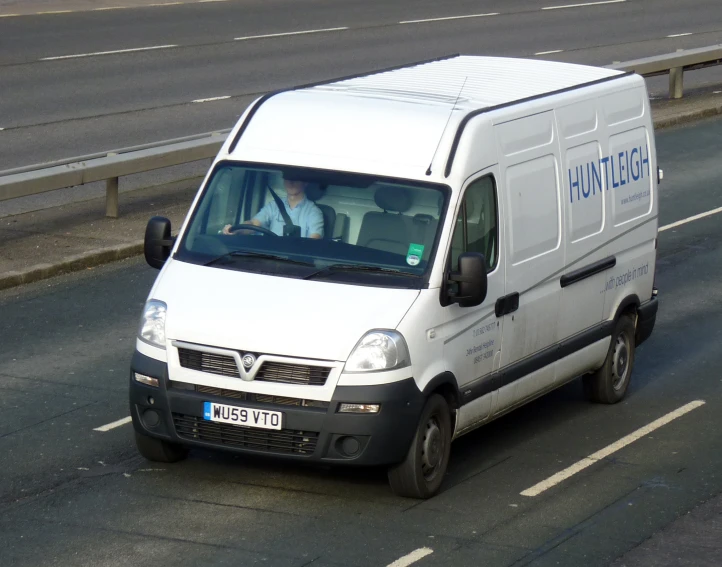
158	242
472	280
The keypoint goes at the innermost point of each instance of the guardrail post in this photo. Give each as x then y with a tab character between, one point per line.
111	197
676	82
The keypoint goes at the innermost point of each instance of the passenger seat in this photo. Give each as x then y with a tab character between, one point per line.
389	230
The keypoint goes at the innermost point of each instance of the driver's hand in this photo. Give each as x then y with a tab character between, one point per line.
227	229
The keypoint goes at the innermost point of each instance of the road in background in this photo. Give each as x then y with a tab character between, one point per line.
72	495
66	91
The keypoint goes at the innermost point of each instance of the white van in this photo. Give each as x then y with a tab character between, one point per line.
379	264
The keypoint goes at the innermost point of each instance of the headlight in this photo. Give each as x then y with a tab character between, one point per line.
379	350
152	323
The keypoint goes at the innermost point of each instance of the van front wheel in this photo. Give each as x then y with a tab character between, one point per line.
421	473
609	384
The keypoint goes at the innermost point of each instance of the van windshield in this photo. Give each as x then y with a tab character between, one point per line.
316	224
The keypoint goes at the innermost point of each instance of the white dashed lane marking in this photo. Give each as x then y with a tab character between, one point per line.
690	219
449	18
412	557
584	5
549	52
579	466
268	35
113	425
96	53
211	99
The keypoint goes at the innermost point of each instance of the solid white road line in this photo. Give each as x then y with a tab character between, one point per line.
692	218
449	18
680	34
561	476
412	557
107	52
548	52
109	426
287	33
583	5
212	98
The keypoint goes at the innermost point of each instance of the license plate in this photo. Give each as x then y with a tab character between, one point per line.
249	417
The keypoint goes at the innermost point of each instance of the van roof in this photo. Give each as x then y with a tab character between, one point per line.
477	82
392	122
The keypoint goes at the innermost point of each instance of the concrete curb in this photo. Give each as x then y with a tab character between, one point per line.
75	263
101	256
685	117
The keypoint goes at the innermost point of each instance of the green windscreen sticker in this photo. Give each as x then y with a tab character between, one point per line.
413	256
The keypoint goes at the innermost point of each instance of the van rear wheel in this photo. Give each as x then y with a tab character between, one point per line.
609	384
158	450
421	473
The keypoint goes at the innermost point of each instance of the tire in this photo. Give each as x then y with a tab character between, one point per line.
609	384
158	450
421	473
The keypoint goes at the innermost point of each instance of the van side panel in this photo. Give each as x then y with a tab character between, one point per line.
531	188
631	198
586	228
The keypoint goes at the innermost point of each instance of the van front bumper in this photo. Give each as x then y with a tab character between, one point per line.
311	434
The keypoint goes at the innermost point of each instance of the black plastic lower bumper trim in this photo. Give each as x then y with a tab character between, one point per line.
646	318
309	433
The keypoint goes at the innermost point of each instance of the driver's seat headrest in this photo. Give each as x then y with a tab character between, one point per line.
313	192
393	199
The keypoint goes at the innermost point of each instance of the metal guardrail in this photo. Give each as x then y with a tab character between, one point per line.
675	64
109	166
97	155
32	180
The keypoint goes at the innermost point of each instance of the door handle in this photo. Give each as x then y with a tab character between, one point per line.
507	304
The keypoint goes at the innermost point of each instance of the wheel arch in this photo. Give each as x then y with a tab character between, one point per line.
445	384
628	305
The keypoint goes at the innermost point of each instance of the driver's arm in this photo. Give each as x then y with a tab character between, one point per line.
255	222
315	223
227	228
262	219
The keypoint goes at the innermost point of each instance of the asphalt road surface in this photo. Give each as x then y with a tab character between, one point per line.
81	82
71	495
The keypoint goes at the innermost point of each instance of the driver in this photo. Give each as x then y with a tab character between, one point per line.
302	211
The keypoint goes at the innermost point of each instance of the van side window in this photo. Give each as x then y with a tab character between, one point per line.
476	225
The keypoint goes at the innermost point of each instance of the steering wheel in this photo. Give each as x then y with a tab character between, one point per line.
252	227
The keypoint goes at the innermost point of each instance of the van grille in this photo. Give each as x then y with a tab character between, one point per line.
293	374
208	362
248	396
222	392
286	441
269	372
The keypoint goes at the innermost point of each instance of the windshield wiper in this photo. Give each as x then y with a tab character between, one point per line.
260	255
359	268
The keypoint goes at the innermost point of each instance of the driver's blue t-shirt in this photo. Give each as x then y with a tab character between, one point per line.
305	214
